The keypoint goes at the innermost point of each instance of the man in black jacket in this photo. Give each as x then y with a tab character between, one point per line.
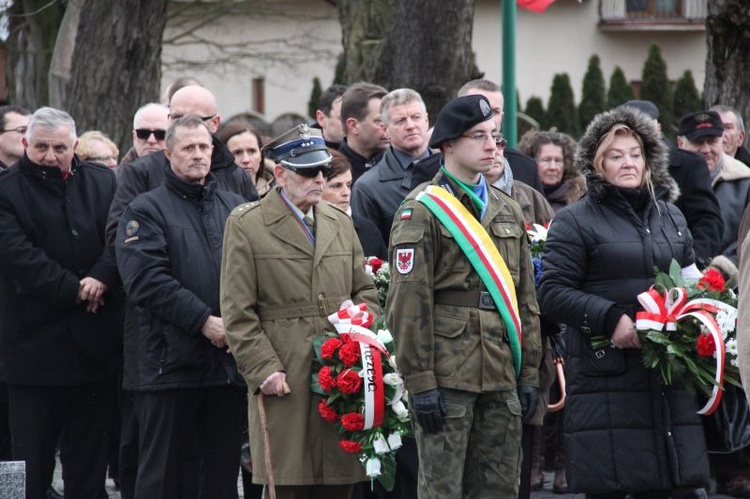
142	175
169	244
380	191
61	322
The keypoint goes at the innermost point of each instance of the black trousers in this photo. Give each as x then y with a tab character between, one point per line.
128	444
80	418
179	422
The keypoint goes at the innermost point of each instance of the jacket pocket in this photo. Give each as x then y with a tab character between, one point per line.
605	361
508	234
449	348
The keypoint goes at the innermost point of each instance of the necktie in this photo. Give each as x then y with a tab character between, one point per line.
310	224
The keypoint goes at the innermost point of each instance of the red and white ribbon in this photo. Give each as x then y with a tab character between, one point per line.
663	312
351	321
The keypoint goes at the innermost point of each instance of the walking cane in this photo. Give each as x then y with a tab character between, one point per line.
558	362
267	441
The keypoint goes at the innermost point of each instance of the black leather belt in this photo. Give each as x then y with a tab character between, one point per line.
473	299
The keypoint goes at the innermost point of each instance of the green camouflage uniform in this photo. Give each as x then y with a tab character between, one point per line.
463	350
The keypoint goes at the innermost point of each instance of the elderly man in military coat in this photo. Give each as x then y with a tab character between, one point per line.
290	261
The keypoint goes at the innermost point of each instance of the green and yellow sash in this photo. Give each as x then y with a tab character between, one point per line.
484	257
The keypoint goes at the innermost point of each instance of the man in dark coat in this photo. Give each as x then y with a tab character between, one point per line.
364	137
142	175
61	330
380	191
169	244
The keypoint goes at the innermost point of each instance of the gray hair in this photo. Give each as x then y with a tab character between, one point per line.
721	108
396	98
188	121
51	118
148	107
478	84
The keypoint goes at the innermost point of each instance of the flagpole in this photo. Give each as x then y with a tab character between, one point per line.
510	120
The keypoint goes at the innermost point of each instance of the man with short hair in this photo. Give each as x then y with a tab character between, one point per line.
701	132
13	122
365	138
61	325
150	125
289	262
458	245
381	190
733	139
328	115
142	175
169	244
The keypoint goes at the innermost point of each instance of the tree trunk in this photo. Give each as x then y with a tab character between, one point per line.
424	45
116	64
728	55
33	28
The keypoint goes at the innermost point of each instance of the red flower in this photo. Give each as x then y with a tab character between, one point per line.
712	280
326	412
350	446
705	345
349	382
353	421
374	262
349	353
529	226
325	380
329	347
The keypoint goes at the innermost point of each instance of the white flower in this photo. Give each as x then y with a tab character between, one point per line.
392	379
402	413
731	347
380	445
735	362
394	440
372	467
727	320
384	336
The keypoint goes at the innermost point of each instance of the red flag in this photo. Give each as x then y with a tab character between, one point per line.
537	6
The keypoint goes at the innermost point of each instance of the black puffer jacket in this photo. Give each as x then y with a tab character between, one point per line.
624	429
168	246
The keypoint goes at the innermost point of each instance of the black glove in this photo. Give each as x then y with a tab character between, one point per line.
430	410
557	342
528	395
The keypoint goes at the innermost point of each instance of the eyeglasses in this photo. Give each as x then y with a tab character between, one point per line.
175	117
481	138
145	133
20	129
311	172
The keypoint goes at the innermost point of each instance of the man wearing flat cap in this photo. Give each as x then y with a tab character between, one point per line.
701	133
290	261
463	312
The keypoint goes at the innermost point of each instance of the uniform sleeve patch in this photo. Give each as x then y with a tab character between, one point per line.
406	214
404	260
131	229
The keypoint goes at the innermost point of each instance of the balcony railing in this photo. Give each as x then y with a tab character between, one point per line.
652	14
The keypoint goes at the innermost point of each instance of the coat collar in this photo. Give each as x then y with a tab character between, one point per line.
286	228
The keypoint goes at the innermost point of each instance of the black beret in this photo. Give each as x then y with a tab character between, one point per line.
459	115
701	124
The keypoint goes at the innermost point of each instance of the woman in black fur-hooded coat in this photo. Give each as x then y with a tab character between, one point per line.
625	431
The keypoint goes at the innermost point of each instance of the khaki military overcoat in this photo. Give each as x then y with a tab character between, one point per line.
276	292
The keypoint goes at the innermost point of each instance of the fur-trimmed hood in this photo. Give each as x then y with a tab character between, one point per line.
655	151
